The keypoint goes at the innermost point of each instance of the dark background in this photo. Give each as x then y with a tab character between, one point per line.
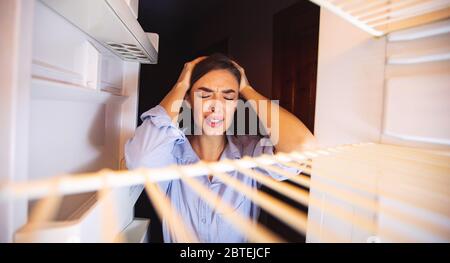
275	41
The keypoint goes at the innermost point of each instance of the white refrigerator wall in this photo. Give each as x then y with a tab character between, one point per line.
417	89
350	78
16	22
75	125
349	104
70	112
393	89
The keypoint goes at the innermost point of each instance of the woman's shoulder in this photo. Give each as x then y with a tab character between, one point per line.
157	115
156	120
155	136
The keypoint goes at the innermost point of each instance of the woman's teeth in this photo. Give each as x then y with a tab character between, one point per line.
214	122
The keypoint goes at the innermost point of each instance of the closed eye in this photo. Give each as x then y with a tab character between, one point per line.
229	94
229	97
204	92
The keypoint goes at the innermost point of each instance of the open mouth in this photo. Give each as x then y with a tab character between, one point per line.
214	121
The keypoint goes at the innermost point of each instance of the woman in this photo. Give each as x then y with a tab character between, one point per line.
211	86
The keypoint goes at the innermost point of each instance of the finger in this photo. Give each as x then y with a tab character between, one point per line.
235	63
195	61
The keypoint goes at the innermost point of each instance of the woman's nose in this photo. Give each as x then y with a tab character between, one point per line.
215	106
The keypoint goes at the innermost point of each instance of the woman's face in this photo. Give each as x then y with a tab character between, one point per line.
214	99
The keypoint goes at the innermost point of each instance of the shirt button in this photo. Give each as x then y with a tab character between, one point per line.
204	220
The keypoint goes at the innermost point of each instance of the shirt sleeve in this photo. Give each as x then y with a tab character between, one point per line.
153	141
264	146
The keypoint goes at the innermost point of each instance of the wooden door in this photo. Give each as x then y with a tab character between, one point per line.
295	49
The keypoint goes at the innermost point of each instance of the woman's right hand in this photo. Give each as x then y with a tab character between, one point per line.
173	100
185	77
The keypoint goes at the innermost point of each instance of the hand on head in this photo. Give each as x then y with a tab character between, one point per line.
244	81
185	76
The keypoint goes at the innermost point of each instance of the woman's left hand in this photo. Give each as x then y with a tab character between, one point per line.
244	81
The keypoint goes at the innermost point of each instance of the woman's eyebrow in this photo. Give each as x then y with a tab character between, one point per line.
228	91
205	89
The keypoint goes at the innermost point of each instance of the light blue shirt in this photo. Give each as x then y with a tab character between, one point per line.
158	143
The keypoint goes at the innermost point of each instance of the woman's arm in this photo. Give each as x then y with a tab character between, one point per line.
291	134
173	100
